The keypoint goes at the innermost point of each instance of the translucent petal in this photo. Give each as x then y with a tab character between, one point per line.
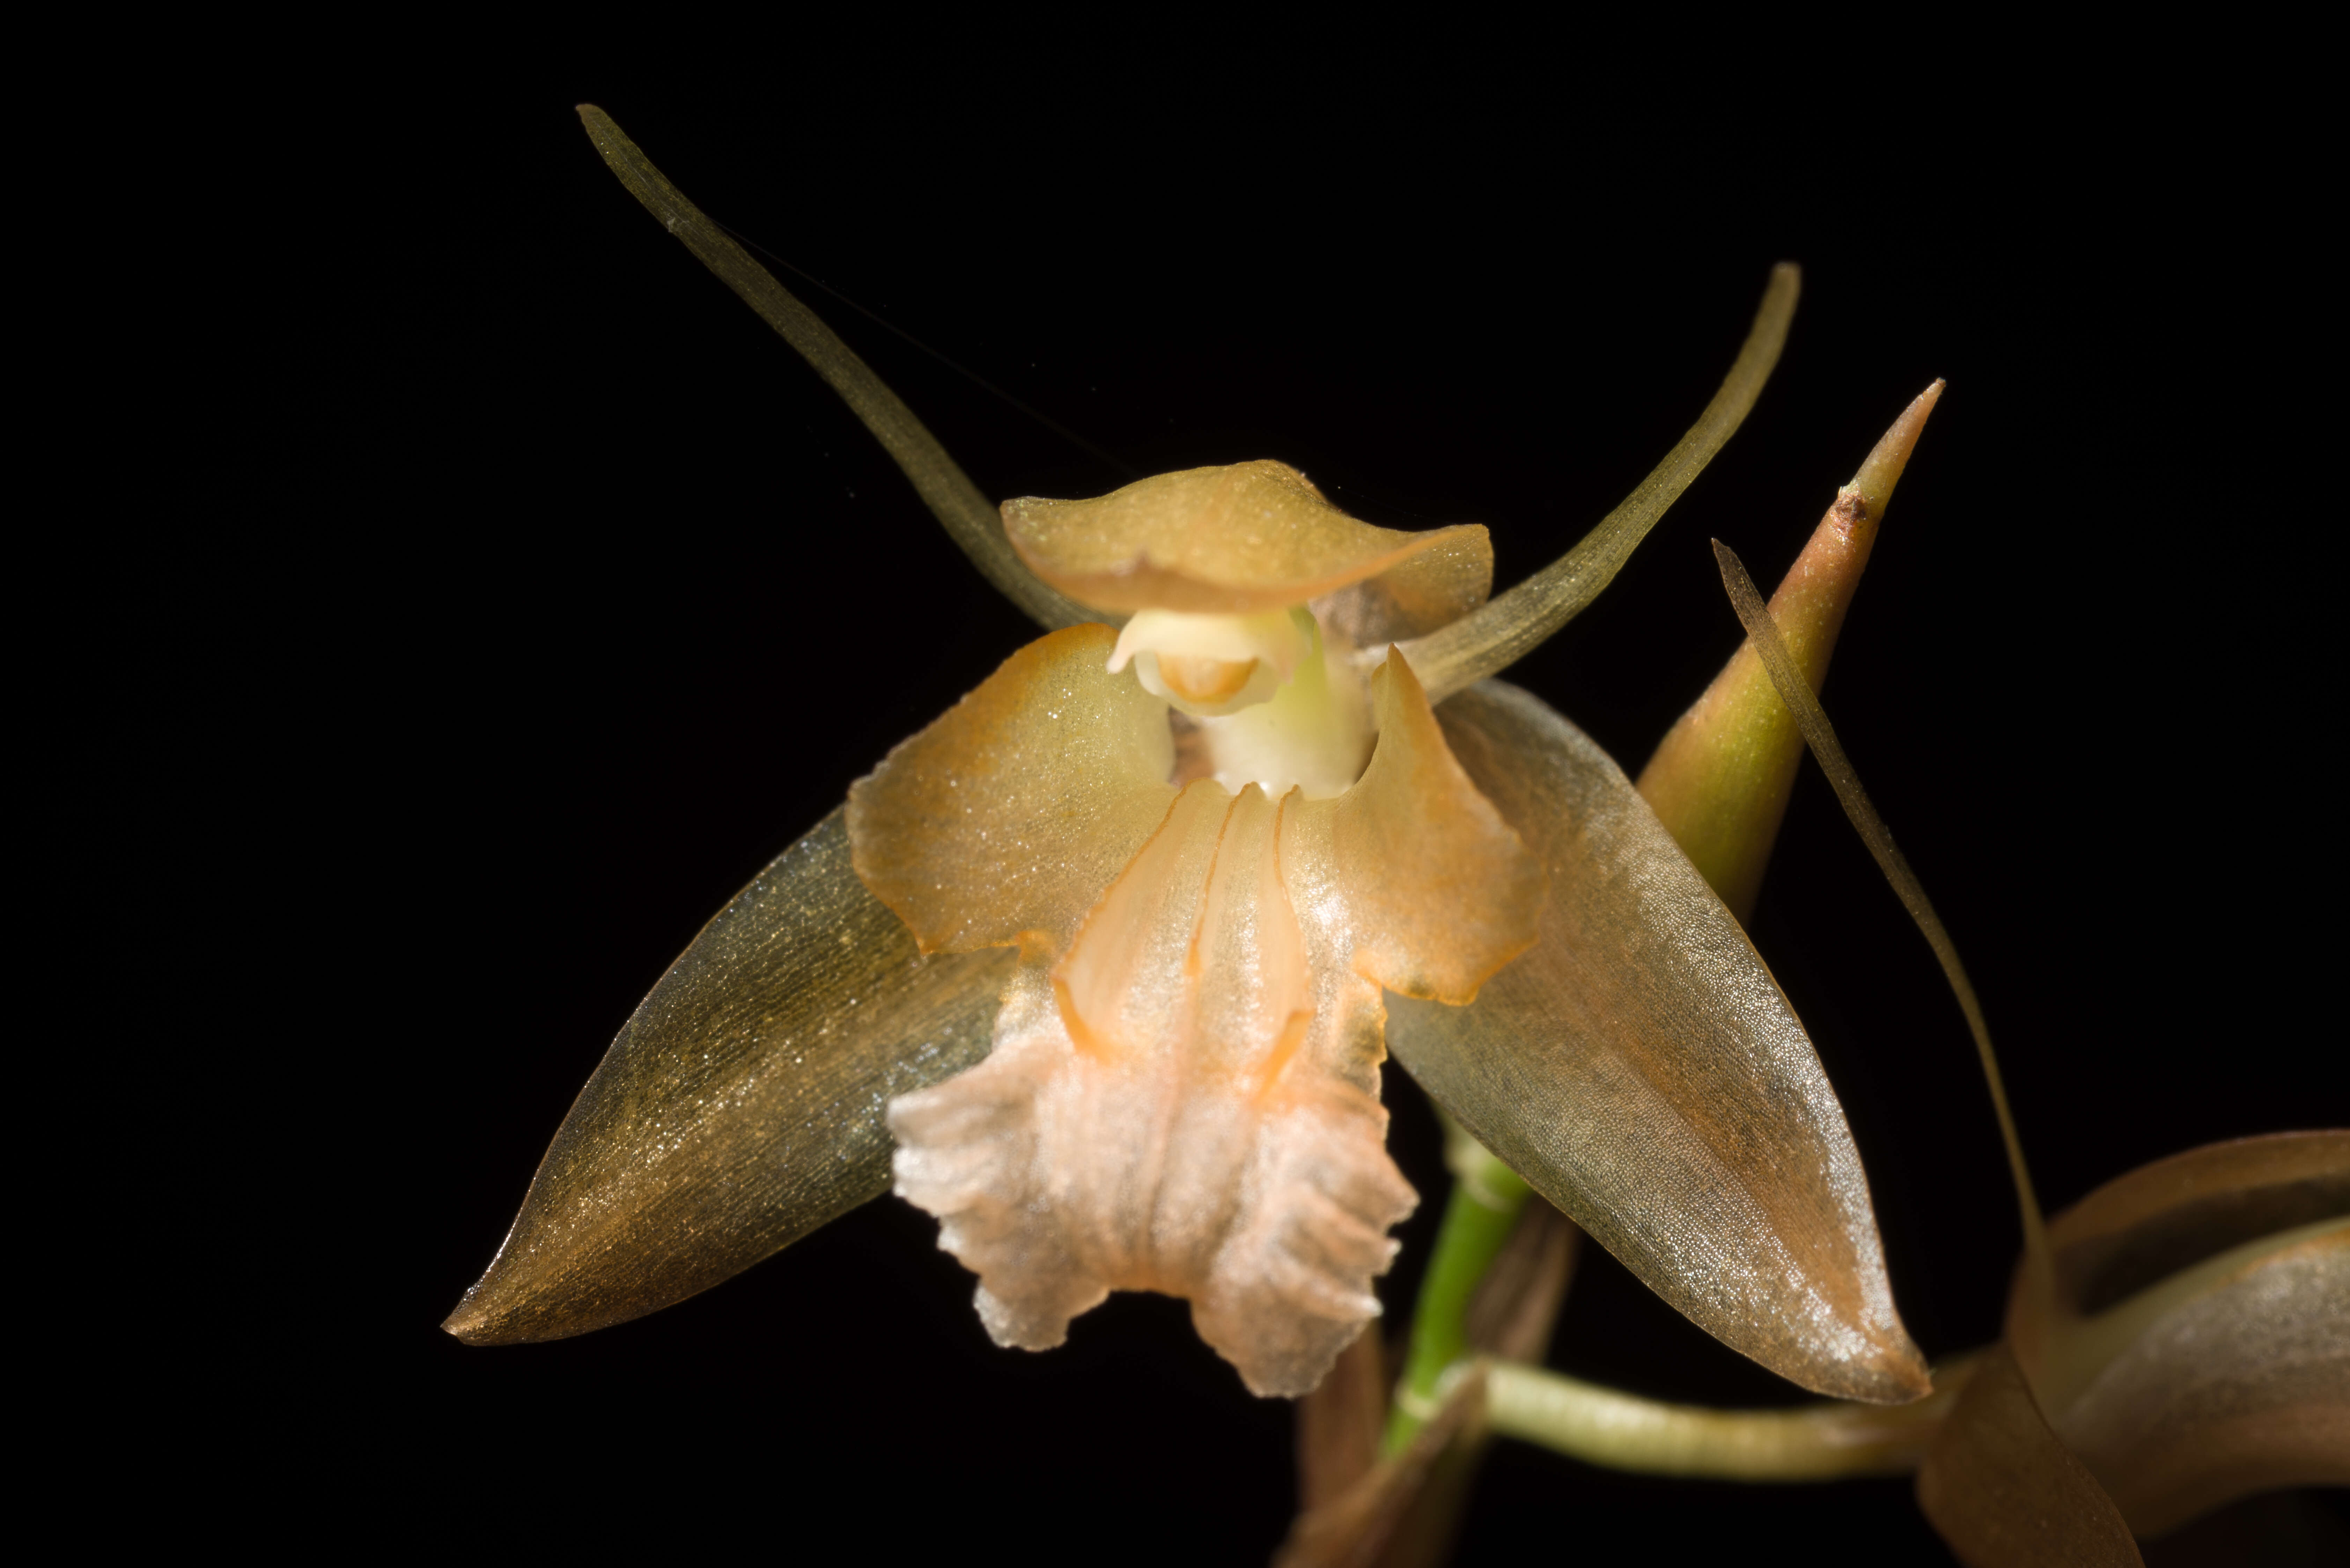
2003	1492
2198	1347
2244	1388
741	1107
1183	1092
1642	1070
1436	889
2153	1221
1248	537
1010	814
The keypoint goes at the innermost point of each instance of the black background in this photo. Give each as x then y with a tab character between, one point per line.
616	599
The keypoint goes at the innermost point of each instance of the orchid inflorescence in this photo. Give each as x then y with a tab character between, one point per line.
1099	968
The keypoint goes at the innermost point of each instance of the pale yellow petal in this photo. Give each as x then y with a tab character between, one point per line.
1641	1069
1451	576
1441	890
1008	817
1249	538
1129	981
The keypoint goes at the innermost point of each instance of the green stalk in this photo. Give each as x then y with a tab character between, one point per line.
1487	1199
1809	1442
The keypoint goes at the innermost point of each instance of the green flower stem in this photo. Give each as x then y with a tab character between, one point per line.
1622	1431
1487	1199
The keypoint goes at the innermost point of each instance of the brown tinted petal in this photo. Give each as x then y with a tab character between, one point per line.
2164	1217
1640	1066
1402	1513
1020	803
2003	1492
1248	537
2197	1348
1440	890
1339	1424
741	1107
2244	1389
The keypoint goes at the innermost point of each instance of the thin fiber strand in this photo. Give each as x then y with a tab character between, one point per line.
1821	736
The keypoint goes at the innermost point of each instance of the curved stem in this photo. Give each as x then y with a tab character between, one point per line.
1623	1431
971	521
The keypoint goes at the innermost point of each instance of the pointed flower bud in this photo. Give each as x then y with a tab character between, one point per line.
1719	779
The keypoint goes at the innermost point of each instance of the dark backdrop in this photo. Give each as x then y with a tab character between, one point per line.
613	600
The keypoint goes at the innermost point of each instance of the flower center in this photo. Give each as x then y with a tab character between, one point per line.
1275	710
1202	682
1211	665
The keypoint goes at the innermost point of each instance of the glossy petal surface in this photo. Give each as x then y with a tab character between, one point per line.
741	1107
2149	1223
2198	1347
2244	1389
1010	813
1248	537
1642	1070
1183	1095
1436	892
2003	1492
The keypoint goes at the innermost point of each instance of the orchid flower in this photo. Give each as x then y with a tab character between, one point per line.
1099	966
